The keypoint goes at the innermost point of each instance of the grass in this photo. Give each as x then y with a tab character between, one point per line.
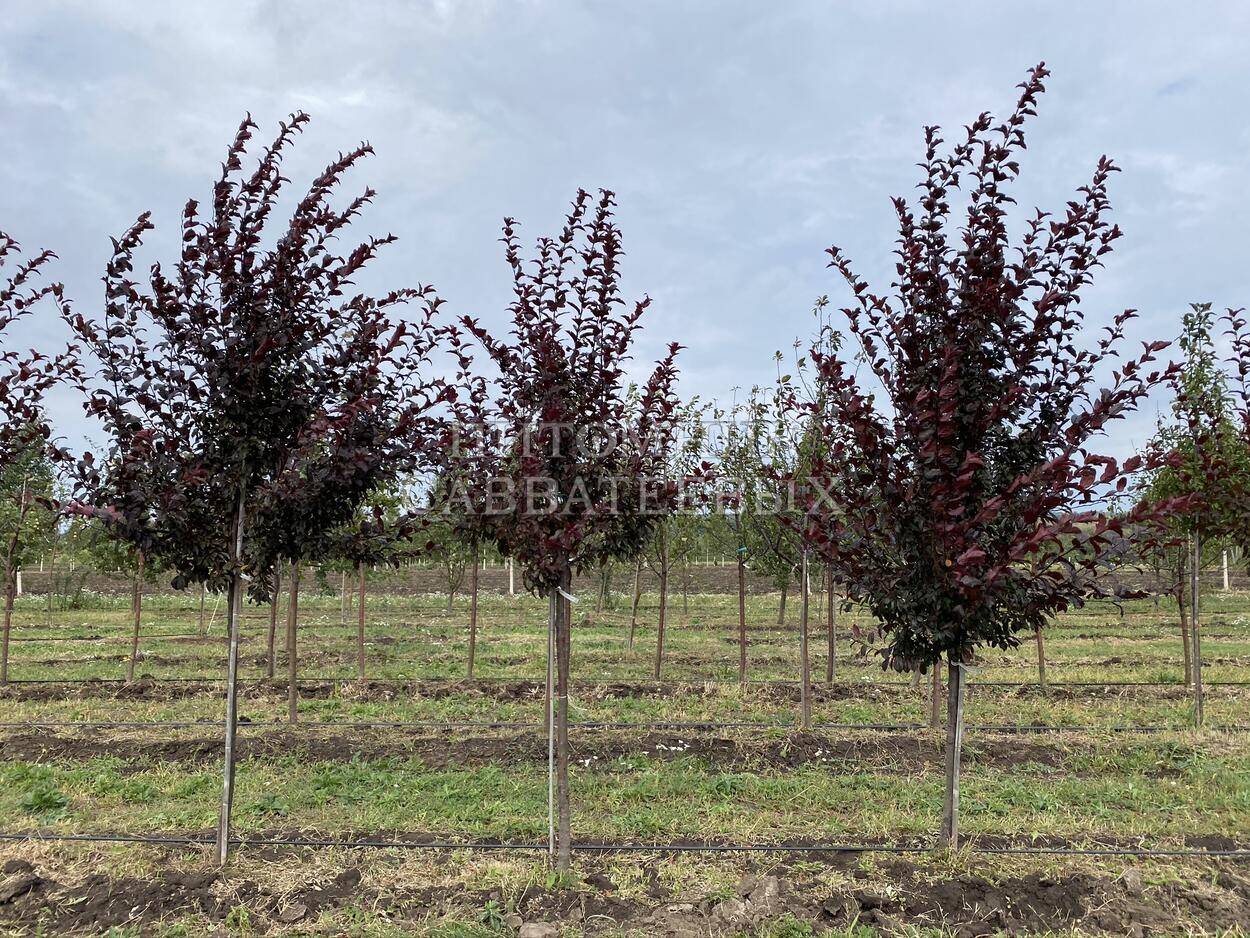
1088	784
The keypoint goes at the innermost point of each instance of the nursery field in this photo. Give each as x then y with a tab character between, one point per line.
1090	805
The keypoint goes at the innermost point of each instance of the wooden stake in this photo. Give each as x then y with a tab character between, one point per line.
831	611
473	583
136	603
292	660
949	837
564	834
935	696
1195	632
274	599
805	673
360	624
232	686
1041	658
633	612
742	620
659	640
553	600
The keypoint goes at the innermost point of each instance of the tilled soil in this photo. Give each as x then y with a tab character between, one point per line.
149	688
894	897
591	748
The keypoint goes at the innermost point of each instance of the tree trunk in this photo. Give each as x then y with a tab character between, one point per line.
742	621
137	607
949	837
831	611
1224	562
781	610
659	639
203	626
1195	631
633	612
52	577
511	578
564	845
292	659
805	672
553	601
360	623
1041	658
10	594
232	685
473	579
274	600
935	698
1181	588
451	601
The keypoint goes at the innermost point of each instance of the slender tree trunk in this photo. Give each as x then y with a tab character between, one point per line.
659	640
451	601
1224	562
137	606
232	684
473	580
201	624
935	697
781	609
1195	631
564	846
10	594
949	837
511	578
805	672
292	652
1180	590
831	612
742	621
360	623
52	577
633	612
1041	658
550	714
274	600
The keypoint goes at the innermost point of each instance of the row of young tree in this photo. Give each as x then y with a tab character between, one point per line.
261	413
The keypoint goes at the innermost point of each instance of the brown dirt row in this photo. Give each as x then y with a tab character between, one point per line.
149	688
893	752
896	895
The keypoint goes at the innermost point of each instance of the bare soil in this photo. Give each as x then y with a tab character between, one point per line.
893	897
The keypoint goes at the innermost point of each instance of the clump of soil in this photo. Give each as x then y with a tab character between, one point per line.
895	898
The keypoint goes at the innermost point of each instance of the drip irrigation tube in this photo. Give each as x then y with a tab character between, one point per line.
696	725
322	843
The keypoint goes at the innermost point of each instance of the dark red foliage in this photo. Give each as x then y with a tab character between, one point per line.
969	504
250	366
558	420
26	377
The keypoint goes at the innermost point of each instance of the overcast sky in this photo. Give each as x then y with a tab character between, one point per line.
742	138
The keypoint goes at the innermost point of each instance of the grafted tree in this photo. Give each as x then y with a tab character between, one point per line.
1208	464
966	504
251	399
579	474
25	437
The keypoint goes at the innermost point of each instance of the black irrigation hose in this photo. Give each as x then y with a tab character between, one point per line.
991	728
1238	853
694	682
